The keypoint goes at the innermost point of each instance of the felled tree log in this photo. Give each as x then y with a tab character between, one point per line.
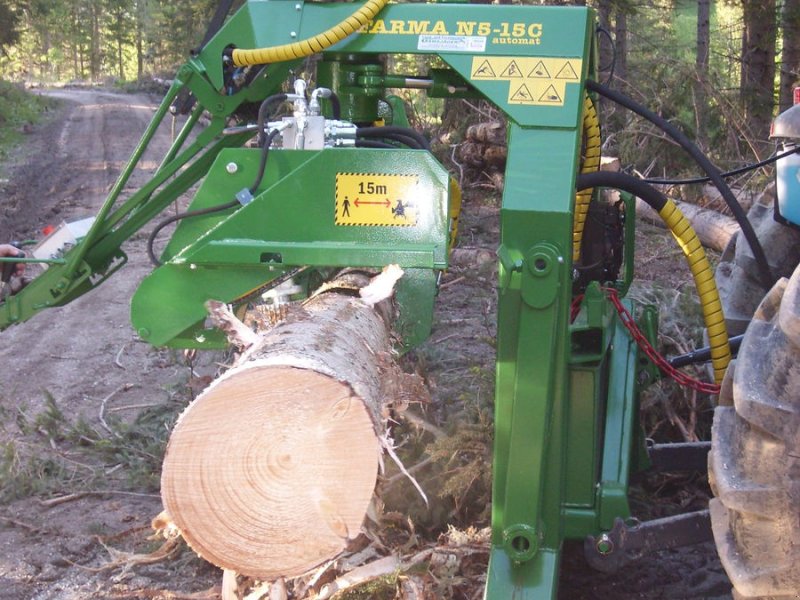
483	155
271	470
484	145
490	132
714	230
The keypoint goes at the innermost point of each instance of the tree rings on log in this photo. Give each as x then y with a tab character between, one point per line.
278	468
271	470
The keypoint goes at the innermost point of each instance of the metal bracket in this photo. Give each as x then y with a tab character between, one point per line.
688	456
627	542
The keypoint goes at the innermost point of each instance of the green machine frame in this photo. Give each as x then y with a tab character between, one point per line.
565	401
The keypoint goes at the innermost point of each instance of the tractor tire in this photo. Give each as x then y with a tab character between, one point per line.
754	464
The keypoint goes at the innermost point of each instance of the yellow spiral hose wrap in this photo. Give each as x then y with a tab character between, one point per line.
591	163
318	43
706	286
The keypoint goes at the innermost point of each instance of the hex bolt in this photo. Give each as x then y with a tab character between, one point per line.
231	167
293	34
604	545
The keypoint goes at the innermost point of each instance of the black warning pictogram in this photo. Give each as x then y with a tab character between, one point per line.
523	94
567	72
484	70
539	72
551	96
512	70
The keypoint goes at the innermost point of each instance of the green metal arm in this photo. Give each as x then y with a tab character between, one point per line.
98	254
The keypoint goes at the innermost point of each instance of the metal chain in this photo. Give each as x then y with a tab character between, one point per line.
666	368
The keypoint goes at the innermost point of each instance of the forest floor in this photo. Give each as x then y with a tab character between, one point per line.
86	407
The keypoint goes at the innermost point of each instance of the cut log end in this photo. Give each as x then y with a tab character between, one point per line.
280	463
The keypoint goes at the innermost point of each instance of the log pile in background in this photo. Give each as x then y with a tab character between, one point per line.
485	145
271	470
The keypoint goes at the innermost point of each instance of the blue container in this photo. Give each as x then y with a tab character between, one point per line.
788	179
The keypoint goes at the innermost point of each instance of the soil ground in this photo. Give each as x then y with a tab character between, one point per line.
85	404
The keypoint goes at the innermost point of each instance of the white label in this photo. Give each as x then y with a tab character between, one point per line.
452	43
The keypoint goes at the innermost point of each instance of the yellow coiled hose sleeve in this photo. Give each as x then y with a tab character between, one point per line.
706	287
591	163
318	43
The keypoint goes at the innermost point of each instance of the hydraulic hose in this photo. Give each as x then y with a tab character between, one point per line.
307	47
683	233
764	271
184	215
265	110
591	163
390	130
405	140
752	167
227	205
262	165
362	143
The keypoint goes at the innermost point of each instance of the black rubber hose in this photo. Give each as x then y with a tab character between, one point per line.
264	111
362	143
192	213
764	272
220	207
336	107
624	182
405	140
263	163
393	129
739	171
703	354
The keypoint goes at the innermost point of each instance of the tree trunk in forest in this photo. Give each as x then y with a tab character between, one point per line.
606	47
758	65
141	15
271	470
120	62
790	54
94	47
701	67
621	37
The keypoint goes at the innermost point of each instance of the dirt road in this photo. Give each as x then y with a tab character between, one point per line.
65	364
76	378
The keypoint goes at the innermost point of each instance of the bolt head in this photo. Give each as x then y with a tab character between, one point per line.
604	545
231	167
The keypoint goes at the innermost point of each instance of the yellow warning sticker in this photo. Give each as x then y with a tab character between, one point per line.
369	199
534	80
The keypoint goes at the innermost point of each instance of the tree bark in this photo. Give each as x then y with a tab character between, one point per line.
758	65
271	470
701	67
790	54
606	48
621	37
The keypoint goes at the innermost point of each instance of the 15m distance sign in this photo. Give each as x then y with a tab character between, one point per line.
375	199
